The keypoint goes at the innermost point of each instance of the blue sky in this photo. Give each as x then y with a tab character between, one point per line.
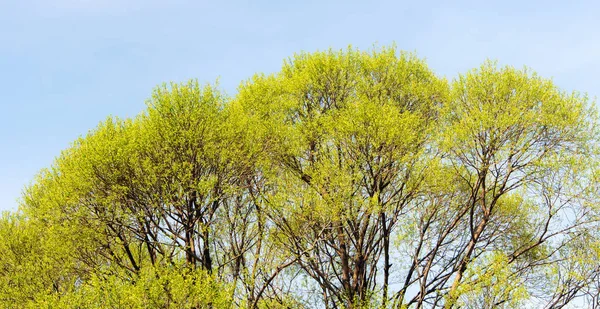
65	65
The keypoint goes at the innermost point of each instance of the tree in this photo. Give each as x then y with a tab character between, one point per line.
521	157
351	133
160	188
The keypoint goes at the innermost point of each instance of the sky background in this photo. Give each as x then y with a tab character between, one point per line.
65	65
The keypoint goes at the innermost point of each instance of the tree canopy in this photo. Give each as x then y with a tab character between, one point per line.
348	179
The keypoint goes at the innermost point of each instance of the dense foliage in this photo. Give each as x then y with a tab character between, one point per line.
348	179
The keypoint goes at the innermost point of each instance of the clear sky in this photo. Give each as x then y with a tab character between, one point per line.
65	65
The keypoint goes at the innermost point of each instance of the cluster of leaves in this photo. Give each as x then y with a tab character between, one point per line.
348	179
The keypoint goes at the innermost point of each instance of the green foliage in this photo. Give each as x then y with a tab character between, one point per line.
349	179
33	265
162	287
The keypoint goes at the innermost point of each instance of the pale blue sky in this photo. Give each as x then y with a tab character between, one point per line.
67	64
